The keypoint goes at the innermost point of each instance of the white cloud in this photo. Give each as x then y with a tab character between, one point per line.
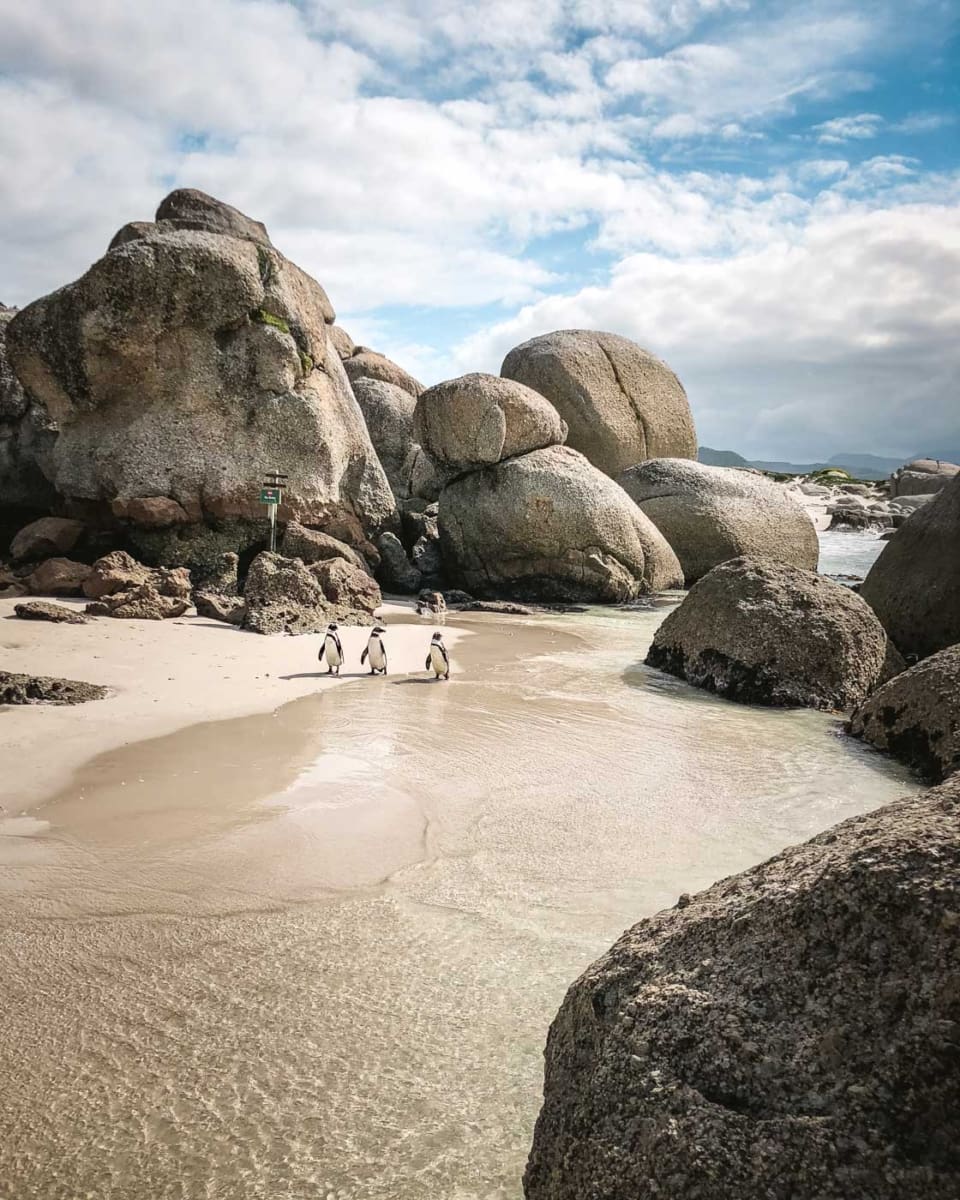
853	128
420	155
845	334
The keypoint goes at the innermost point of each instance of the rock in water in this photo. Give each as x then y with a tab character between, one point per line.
41	610
549	526
710	514
187	361
914	586
42	689
478	420
621	404
766	633
282	596
791	1032
916	716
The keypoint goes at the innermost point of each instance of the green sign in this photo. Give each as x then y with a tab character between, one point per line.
270	495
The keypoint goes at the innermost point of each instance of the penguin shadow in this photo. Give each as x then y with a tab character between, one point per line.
414	679
323	675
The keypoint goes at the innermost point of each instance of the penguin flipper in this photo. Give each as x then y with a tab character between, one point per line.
363	656
426	665
320	655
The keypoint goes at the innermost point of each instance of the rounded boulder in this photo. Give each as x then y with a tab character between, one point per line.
914	586
549	526
916	716
711	514
761	632
621	404
477	420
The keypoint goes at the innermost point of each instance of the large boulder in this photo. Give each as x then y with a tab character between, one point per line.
710	514
27	435
352	595
144	602
396	572
46	536
477	420
282	596
185	363
59	577
118	572
791	1032
365	363
388	411
914	586
312	545
621	404
921	477
549	526
916	716
762	632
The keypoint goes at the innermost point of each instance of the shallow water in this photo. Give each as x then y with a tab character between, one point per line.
316	953
849	553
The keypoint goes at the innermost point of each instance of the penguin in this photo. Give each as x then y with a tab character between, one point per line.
437	658
375	651
332	649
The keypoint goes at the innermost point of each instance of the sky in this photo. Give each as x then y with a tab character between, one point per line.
765	195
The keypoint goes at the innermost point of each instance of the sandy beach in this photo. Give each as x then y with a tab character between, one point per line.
314	948
163	676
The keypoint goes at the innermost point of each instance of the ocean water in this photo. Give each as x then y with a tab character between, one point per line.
316	953
850	554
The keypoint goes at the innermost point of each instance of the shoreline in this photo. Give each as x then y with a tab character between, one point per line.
164	676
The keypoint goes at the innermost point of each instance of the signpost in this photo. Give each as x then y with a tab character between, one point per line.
271	494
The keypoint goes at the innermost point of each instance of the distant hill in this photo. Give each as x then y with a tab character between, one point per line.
873	462
720	458
862	466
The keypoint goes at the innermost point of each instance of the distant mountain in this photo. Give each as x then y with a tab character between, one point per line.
720	458
875	462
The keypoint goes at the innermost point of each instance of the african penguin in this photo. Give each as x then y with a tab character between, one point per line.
437	658
375	651
332	649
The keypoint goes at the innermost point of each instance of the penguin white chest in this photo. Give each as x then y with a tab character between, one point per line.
375	651
437	660
333	655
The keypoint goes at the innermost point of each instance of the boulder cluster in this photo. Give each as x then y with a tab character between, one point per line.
142	404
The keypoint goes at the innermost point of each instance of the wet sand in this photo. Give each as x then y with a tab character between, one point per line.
316	952
164	675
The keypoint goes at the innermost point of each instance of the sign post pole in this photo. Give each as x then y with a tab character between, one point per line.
271	494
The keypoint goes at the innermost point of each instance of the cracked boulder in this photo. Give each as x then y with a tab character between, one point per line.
549	526
710	514
477	420
761	632
916	716
621	404
187	361
27	435
791	1032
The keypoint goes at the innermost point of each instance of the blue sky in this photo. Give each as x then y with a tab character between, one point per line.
764	194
